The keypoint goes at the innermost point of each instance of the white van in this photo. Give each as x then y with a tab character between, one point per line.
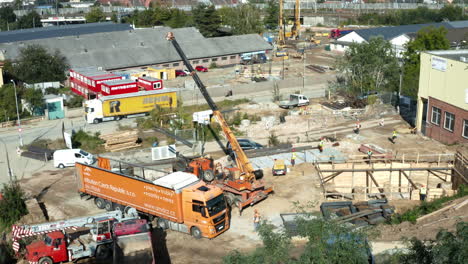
67	157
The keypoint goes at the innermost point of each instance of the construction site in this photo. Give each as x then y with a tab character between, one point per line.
216	153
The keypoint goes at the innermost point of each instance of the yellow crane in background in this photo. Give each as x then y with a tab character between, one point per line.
297	20
281	36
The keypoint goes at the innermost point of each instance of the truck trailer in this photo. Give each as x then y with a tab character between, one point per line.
116	107
178	201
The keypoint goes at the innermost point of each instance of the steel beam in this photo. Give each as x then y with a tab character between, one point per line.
390	169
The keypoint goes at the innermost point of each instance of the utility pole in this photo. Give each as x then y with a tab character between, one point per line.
17	114
303	70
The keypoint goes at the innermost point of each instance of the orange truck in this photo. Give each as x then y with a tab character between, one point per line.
178	201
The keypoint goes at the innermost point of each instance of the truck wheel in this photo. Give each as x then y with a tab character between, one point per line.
96	121
103	252
99	202
208	175
196	233
162	223
119	207
46	260
61	166
230	198
109	206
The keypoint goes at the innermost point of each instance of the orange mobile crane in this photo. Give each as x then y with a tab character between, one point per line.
249	188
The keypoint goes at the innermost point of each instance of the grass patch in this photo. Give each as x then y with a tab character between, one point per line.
427	207
88	142
49	144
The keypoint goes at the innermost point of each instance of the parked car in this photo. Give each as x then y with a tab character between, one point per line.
201	68
180	73
68	157
246	144
186	71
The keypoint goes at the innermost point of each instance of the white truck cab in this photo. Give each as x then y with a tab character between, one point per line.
68	157
93	111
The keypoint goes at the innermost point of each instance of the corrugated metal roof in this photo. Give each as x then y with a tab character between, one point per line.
60	31
149	78
118	82
126	49
389	33
459	24
119	96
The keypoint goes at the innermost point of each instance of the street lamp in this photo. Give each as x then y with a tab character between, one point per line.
17	114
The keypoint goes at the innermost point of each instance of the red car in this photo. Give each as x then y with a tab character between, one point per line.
201	68
180	73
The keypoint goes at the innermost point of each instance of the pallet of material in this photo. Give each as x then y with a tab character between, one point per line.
121	141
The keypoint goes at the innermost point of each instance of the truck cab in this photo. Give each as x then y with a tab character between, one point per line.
93	111
205	205
50	250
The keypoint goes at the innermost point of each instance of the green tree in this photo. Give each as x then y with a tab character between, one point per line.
7	103
428	38
370	66
327	242
95	15
207	20
7	14
447	248
35	98
272	17
31	20
243	19
34	64
12	205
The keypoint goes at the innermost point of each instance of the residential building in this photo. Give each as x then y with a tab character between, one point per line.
398	36
442	110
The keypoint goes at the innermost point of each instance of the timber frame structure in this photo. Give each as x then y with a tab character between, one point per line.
394	180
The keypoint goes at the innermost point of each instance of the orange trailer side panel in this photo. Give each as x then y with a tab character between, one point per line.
139	194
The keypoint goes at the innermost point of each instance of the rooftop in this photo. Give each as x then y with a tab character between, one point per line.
177	180
60	31
118	82
451	54
395	31
111	50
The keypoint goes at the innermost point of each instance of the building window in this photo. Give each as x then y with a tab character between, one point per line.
175	64
196	62
166	65
214	59
233	57
449	123
436	115
206	60
465	128
224	58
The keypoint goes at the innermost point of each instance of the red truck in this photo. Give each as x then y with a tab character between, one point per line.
78	238
118	87
149	83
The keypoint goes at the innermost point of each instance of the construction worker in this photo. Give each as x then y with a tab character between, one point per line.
293	157
321	144
369	155
422	193
394	136
256	220
357	127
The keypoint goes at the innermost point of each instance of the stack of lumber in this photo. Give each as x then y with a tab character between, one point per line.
120	141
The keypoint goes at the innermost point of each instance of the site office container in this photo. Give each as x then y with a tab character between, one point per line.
179	201
96	81
118	87
150	83
115	107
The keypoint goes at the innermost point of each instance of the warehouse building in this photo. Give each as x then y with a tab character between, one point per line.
442	110
138	48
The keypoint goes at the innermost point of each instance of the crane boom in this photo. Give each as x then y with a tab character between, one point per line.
297	20
243	163
281	41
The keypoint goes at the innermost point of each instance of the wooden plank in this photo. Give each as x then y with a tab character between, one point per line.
331	176
375	182
409	180
431	172
443	209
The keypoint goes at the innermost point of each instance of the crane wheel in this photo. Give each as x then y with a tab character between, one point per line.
208	175
46	260
103	252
